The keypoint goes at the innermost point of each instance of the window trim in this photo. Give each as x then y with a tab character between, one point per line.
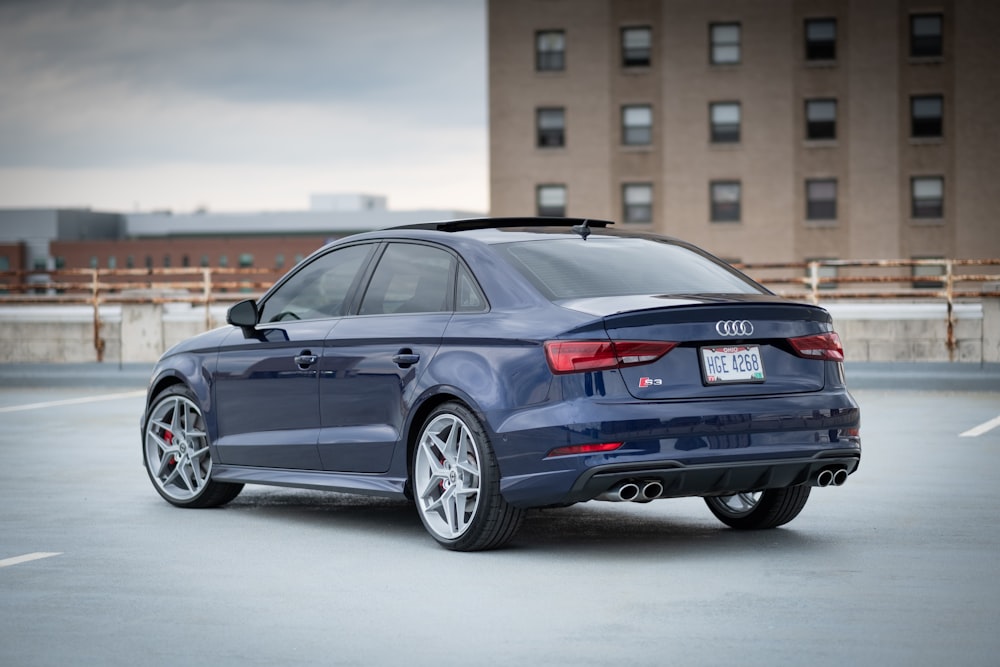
821	210
914	49
538	200
717	214
625	128
541	133
716	131
542	63
938	210
821	130
936	123
817	45
713	44
625	50
626	206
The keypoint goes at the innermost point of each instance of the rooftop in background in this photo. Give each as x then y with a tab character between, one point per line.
29	234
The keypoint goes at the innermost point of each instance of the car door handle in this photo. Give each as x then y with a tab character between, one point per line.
405	358
305	360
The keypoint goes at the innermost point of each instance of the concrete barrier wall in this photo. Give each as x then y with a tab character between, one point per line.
880	331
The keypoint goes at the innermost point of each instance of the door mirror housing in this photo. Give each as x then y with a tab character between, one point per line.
243	314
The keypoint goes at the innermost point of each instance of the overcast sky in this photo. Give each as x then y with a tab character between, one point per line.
240	105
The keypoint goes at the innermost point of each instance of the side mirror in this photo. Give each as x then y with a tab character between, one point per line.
243	314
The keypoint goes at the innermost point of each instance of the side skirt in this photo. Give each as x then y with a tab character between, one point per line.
368	485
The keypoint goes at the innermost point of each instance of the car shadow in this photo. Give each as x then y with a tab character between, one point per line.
603	528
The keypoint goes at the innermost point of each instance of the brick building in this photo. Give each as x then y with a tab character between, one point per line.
764	130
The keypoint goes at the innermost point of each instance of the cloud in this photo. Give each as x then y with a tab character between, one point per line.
301	83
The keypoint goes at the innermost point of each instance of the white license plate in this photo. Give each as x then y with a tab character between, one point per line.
732	363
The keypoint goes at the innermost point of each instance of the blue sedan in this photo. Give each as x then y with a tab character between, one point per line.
482	368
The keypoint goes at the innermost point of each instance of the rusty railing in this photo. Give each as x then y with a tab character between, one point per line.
945	280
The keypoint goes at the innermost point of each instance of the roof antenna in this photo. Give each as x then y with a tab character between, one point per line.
583	230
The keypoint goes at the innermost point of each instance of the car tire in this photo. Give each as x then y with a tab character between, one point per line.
176	452
456	483
756	510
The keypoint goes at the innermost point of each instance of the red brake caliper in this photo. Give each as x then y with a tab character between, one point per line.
169	438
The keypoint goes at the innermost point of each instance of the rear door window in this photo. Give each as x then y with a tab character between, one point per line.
411	278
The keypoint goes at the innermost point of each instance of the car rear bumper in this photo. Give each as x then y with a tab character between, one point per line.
696	448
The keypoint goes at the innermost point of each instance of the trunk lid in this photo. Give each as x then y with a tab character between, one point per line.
726	346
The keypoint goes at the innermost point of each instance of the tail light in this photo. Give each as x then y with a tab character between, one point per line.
595	448
824	346
573	356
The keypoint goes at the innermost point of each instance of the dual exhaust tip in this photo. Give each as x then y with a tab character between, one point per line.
642	491
834	476
637	491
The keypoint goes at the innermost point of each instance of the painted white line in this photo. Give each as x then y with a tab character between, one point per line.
982	428
17	560
73	401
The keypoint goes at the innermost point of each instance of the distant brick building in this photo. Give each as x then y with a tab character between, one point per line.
49	239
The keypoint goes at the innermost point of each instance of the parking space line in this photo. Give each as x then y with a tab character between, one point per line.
982	428
73	401
26	558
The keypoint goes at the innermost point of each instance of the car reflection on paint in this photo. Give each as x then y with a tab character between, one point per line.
485	367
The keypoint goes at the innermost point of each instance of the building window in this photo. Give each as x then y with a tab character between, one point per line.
821	119
93	261
550	50
821	39
246	260
60	262
551	200
279	261
185	261
223	260
166	261
921	273
4	263
824	273
926	39
204	261
725	43
927	197
551	124
637	202
112	262
725	201
637	125
637	47
149	261
130	262
925	115
821	199
725	119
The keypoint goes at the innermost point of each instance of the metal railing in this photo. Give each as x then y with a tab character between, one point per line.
945	280
97	287
916	279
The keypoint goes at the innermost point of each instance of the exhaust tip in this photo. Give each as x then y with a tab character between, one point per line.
628	491
840	477
652	489
824	478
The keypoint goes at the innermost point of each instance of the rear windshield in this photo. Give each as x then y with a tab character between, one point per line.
615	266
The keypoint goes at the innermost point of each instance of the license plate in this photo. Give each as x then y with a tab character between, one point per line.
732	363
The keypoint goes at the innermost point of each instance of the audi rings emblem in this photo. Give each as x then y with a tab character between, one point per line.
734	328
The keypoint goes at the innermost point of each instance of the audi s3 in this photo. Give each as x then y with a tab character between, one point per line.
482	368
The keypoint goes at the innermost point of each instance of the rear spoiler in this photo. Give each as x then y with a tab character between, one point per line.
499	223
